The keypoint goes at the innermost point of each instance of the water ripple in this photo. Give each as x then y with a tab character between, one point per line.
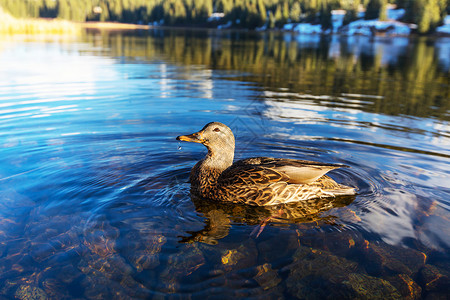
94	192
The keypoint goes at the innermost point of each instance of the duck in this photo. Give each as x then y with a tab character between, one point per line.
257	181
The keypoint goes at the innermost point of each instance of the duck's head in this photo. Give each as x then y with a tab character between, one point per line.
218	138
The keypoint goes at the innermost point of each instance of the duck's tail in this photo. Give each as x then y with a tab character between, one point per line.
331	188
343	190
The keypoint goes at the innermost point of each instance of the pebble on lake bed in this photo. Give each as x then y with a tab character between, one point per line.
267	277
239	258
27	292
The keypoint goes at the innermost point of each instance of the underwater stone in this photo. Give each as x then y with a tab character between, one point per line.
113	266
27	292
244	256
100	237
368	287
180	265
407	287
69	273
383	259
266	277
433	279
109	278
317	274
42	251
268	252
98	288
343	244
55	289
146	256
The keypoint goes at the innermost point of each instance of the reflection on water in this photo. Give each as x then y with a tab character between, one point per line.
94	198
408	76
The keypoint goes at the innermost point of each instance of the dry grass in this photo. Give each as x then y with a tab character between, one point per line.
11	25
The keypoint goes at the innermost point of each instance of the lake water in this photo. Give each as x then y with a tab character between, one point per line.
94	198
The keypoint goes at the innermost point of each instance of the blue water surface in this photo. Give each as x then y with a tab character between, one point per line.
94	192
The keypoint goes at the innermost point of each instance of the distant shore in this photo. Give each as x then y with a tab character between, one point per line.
114	26
11	25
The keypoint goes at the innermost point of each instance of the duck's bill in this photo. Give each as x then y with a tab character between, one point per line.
195	137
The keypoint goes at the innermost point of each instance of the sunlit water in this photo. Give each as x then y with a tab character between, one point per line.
94	198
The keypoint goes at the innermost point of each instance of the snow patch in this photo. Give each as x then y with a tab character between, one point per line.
446	27
395	14
307	28
372	27
225	26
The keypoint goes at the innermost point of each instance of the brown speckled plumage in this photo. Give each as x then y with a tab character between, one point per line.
259	180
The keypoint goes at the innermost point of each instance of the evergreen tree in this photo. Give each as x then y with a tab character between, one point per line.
295	12
285	12
179	12
373	9
64	10
325	17
278	15
352	12
262	10
429	17
383	11
115	10
272	20
49	9
104	15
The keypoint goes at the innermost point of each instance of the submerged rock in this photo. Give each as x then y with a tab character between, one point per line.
29	292
244	256
266	277
113	266
363	286
385	260
343	244
100	237
145	250
317	274
55	289
434	280
181	265
267	252
109	277
407	287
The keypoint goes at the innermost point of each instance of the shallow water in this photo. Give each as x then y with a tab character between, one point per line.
94	198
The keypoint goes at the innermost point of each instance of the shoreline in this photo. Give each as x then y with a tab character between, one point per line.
56	26
116	26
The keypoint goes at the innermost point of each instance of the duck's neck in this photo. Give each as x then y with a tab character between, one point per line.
218	161
205	173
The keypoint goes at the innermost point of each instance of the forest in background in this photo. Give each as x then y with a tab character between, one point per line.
427	14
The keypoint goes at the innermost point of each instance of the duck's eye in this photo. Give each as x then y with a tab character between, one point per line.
216	129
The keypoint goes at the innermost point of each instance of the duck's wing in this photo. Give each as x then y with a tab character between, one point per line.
266	170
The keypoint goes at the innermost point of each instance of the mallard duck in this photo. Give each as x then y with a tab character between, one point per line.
259	180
